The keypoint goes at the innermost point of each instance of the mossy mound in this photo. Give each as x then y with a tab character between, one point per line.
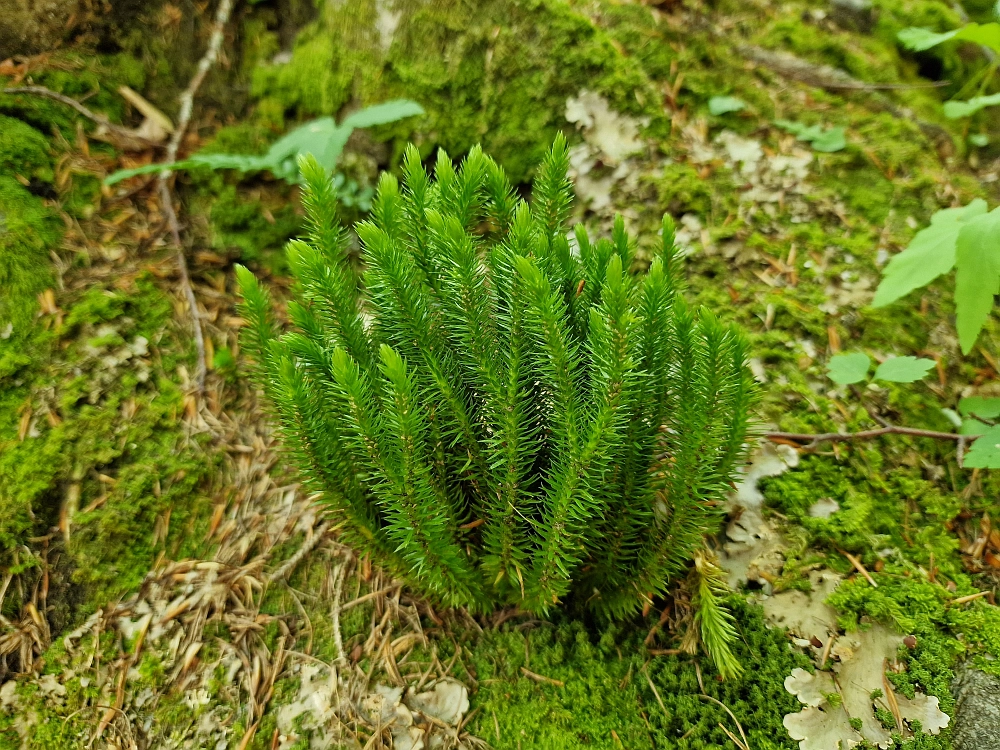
496	73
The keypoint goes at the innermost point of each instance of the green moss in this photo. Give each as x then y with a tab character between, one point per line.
879	510
23	150
606	689
28	229
111	443
682	190
239	221
496	73
95	78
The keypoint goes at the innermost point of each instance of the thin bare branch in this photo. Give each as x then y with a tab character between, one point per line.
222	14
810	440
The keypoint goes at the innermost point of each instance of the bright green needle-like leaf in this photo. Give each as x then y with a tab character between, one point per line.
977	279
848	368
930	254
903	369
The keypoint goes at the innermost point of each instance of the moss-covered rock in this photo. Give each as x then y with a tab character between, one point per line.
496	72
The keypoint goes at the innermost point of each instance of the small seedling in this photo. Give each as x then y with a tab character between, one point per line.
977	418
827	141
322	138
967	239
986	35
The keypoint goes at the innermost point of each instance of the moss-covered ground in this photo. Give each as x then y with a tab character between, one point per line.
109	467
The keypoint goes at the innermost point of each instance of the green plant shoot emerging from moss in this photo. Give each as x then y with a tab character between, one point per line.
497	415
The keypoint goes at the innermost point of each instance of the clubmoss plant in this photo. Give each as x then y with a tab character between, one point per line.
498	413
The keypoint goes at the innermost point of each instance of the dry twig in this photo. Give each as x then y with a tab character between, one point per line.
126	138
289	565
542	678
820	76
746	743
860	568
811	440
222	14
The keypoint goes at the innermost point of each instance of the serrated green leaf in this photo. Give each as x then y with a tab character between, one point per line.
977	278
980	406
903	369
954	110
720	105
985	452
848	368
987	34
973	427
930	254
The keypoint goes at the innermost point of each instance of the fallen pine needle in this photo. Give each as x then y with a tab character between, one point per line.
368	596
860	568
542	678
746	743
970	597
656	693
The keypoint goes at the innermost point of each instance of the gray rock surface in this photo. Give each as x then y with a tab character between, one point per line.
857	15
976	723
30	26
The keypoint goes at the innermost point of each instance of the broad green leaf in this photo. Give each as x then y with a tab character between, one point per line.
987	34
720	105
794	128
848	368
241	162
979	406
956	109
977	277
311	138
124	174
903	369
830	140
325	140
985	452
979	139
973	427
930	254
920	39
382	114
